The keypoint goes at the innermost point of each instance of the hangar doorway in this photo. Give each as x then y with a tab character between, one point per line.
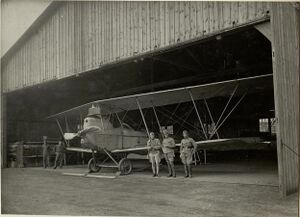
234	55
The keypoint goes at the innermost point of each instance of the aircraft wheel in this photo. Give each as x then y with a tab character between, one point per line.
125	166
92	166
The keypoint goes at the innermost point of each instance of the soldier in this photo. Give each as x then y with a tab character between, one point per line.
154	147
59	157
187	148
168	150
46	153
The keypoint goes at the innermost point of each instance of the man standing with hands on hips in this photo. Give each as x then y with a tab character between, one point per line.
187	148
154	147
168	150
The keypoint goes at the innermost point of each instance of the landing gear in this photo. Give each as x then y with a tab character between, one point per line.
92	166
125	166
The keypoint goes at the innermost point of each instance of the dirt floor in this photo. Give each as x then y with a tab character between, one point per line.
232	189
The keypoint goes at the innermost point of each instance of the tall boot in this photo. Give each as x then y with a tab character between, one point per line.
169	169
44	161
56	161
153	170
185	171
173	169
157	169
189	170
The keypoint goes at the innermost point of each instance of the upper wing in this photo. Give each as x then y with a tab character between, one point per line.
173	96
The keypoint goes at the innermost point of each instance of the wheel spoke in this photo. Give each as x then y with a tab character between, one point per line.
125	166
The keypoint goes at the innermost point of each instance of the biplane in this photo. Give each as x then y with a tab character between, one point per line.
99	136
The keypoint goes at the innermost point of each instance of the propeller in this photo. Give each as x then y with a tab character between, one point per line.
70	136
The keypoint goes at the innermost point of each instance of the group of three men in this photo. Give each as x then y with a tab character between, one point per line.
187	149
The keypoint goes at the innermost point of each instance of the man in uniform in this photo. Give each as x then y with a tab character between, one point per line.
46	153
154	147
187	148
168	150
59	154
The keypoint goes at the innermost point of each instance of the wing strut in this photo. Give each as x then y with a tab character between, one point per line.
238	102
166	113
143	117
196	109
187	115
121	123
67	125
232	94
169	115
142	122
211	117
156	117
61	131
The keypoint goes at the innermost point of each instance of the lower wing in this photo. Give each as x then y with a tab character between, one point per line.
230	144
136	150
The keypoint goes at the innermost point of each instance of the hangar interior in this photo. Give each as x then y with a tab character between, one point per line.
237	54
234	55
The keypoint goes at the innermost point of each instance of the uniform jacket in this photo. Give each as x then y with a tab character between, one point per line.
154	145
187	144
168	145
46	148
60	148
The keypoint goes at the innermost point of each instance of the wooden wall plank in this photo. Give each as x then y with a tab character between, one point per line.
172	33
81	36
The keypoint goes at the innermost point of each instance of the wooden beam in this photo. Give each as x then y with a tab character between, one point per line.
3	123
285	53
265	29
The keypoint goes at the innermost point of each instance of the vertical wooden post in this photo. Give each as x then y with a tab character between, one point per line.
3	115
3	129
285	56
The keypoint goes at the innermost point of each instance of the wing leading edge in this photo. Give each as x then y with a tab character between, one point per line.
172	96
230	144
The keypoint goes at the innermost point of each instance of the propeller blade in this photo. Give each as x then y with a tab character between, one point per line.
69	136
